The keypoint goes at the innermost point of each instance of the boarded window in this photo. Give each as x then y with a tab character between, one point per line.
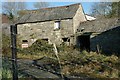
57	25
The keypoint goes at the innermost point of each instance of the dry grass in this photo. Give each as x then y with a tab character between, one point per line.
92	64
29	56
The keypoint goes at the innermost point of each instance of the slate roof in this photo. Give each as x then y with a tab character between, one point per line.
99	25
54	13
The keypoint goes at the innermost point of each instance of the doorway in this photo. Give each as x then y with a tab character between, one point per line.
83	42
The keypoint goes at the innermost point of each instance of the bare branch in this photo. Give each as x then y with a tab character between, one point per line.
12	7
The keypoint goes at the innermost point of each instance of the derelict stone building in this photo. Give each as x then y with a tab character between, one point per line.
70	25
102	35
56	24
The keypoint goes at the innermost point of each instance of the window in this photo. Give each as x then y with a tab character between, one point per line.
57	25
24	44
46	39
66	39
24	41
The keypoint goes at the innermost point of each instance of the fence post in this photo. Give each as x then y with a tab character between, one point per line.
13	29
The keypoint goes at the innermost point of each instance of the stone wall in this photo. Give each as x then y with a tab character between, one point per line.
105	34
45	30
107	42
78	18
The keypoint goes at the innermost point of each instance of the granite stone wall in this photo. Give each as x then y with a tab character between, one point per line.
44	30
105	35
107	42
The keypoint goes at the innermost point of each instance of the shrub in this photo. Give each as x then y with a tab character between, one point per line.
6	50
91	64
37	47
6	72
63	47
78	63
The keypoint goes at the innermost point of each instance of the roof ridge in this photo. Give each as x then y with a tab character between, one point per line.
54	7
53	13
62	6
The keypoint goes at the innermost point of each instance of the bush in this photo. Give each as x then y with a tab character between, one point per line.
78	63
6	50
91	64
38	47
63	47
6	72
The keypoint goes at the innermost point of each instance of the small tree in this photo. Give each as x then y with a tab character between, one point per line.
100	8
12	8
6	45
114	9
106	9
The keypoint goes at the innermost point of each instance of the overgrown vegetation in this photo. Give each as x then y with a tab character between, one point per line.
6	70
37	50
91	64
6	50
73	62
39	46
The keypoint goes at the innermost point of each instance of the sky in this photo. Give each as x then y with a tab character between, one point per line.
86	5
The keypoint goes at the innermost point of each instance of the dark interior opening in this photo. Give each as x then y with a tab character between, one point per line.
83	42
66	39
24	41
46	39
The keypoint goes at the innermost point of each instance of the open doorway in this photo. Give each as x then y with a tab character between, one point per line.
83	42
